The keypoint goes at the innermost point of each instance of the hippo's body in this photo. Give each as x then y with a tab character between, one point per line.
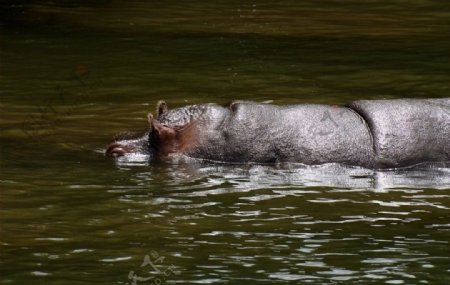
373	134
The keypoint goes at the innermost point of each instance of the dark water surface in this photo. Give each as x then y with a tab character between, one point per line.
74	73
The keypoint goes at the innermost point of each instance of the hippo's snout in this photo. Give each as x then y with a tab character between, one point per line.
117	150
129	143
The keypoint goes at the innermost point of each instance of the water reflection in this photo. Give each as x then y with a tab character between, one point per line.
425	175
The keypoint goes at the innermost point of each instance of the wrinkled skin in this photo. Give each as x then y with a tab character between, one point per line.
373	134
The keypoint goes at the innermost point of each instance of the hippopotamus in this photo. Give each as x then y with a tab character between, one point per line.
374	134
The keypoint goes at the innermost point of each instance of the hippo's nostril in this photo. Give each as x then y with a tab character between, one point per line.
116	150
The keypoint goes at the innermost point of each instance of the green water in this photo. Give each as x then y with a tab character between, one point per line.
72	74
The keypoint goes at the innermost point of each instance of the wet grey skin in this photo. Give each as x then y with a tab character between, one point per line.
368	133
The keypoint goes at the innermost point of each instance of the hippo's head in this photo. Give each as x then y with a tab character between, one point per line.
170	133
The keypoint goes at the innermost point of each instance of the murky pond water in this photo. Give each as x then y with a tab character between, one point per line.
74	73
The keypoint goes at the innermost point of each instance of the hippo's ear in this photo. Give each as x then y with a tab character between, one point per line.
150	118
161	108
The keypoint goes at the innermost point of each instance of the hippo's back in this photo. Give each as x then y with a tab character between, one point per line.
308	133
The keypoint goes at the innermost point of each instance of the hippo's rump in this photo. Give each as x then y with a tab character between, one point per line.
407	131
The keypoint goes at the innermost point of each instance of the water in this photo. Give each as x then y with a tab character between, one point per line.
73	74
